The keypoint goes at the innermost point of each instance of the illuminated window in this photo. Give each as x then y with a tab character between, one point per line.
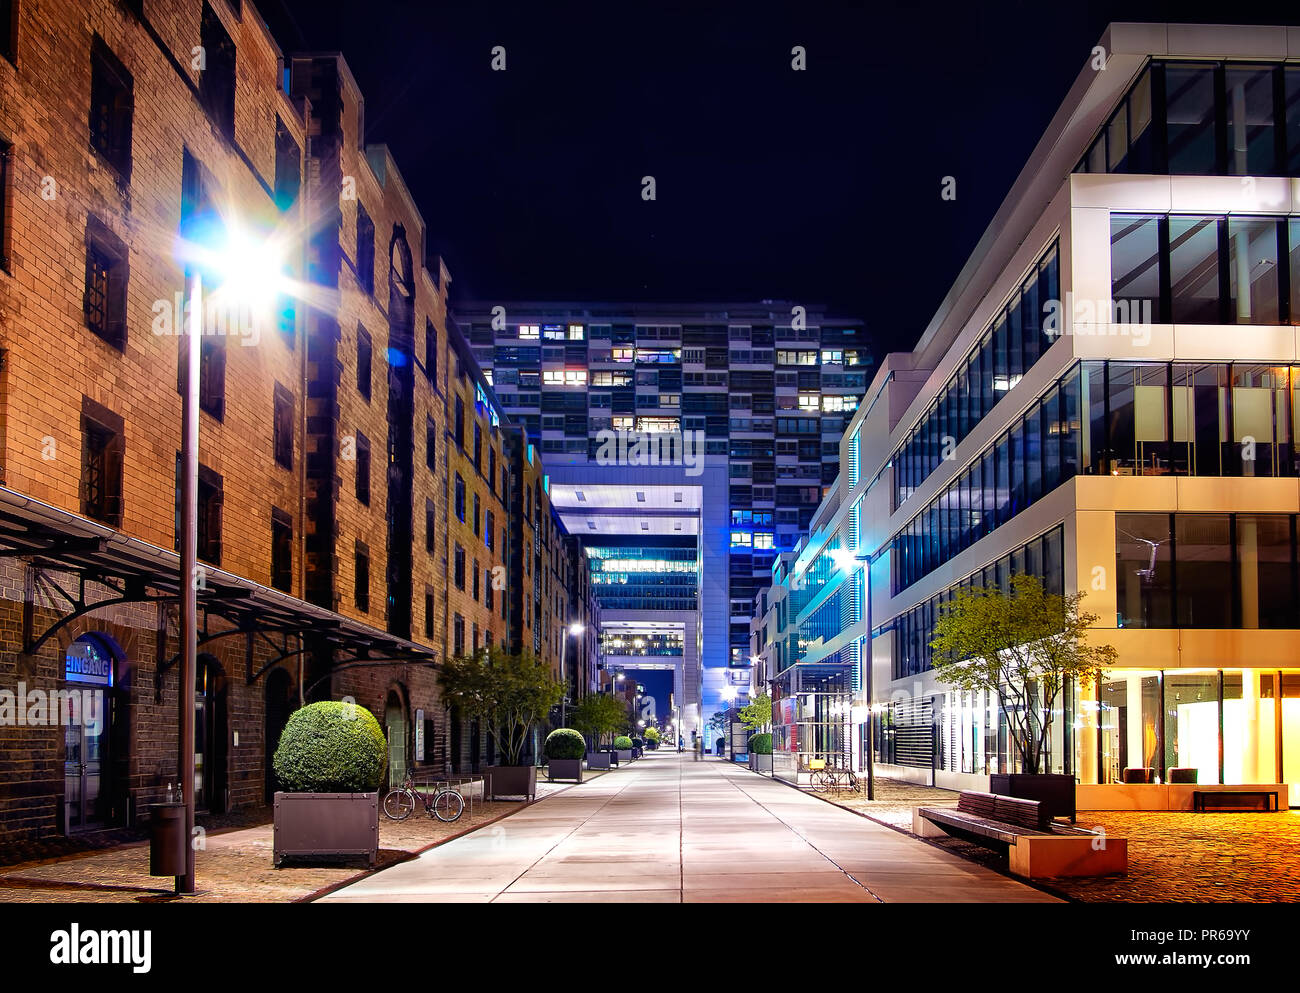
623	354
809	401
832	356
623	422
762	540
529	331
576	332
658	425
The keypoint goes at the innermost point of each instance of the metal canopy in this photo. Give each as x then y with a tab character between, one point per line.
134	571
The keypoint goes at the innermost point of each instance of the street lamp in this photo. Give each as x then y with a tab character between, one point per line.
248	271
574	629
848	561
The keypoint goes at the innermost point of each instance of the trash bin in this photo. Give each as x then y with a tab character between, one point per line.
167	839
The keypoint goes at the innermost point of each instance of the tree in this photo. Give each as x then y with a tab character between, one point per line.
599	715
1023	647
507	693
758	715
718	722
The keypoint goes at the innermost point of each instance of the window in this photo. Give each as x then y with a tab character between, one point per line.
1197	269
489	528
492	470
431	351
6	159
363	469
487	589
1251	131
430	443
365	362
283	426
459	567
478	447
101	463
1194	270
1135	265
476	581
361	577
8	29
460	498
529	332
365	250
281	550
112	105
477	516
1189	90
217	75
458	635
460	425
1254	246
212	374
104	302
209	513
288	166
430	522
428	613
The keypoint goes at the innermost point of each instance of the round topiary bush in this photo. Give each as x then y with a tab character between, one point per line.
623	743
331	747
565	743
651	734
761	744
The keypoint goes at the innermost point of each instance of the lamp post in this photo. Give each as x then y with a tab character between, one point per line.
250	271
848	561
574	629
189	562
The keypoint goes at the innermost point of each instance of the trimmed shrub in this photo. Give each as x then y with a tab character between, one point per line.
331	747
652	734
564	743
623	743
638	743
761	744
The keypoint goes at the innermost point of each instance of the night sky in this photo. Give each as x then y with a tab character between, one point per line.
820	186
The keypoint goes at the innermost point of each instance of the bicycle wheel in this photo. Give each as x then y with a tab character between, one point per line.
819	782
399	804
447	805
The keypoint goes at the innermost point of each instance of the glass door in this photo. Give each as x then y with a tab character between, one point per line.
83	768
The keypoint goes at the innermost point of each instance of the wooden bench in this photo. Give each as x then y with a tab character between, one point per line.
1234	800
1035	845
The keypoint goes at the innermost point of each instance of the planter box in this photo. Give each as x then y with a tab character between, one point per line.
313	825
564	769
624	754
1053	790
760	763
511	780
598	760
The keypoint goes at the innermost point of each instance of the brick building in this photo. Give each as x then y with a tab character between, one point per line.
337	419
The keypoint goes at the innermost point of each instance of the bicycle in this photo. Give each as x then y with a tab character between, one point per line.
444	803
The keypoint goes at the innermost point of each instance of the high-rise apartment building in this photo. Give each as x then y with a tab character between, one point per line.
1108	398
748	403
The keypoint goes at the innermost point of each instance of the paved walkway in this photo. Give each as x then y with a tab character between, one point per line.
669	829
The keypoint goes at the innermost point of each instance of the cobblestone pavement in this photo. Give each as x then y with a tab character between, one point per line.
236	864
1173	856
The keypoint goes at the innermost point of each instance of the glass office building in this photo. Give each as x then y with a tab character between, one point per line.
757	394
1109	399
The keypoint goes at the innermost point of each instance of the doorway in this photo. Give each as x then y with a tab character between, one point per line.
210	724
396	725
91	671
279	705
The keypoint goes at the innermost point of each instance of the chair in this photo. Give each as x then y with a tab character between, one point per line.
1138	774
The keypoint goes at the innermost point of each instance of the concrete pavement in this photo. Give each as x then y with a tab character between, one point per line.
669	829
